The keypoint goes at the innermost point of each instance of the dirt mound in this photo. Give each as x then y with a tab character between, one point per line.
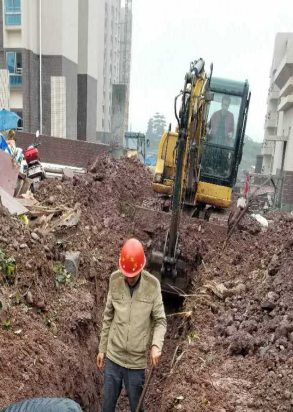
49	323
236	350
230	348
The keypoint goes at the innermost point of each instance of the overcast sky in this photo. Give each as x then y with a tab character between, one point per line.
237	36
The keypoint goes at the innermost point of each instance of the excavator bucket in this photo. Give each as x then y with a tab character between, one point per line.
154	222
177	285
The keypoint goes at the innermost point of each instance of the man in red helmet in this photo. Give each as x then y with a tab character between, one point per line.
133	310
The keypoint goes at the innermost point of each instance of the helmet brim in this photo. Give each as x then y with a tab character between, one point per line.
133	274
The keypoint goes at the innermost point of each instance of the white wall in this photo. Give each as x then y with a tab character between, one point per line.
70	29
30	25
100	55
83	11
52	27
60	28
93	33
16	101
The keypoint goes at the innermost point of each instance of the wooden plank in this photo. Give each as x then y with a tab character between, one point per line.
11	203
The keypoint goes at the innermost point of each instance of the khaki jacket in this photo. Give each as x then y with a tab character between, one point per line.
128	321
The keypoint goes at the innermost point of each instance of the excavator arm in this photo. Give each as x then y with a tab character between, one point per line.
191	132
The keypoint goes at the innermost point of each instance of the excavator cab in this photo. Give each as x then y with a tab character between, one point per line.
223	146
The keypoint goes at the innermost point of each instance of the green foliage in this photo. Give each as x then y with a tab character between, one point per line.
62	276
7	325
192	336
155	130
250	150
8	268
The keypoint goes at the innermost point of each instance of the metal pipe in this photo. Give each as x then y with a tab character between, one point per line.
41	88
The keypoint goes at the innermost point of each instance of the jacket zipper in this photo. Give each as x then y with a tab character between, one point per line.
129	316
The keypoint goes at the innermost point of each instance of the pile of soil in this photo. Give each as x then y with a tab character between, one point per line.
236	350
49	330
229	352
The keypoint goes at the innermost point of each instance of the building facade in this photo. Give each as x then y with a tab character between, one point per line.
73	46
278	139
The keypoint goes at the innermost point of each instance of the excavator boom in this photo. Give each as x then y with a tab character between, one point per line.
168	265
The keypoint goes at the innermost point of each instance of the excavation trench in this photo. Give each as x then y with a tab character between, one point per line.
161	374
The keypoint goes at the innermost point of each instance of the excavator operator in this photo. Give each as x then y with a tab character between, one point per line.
134	308
221	125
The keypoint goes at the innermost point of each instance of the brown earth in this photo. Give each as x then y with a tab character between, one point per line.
225	354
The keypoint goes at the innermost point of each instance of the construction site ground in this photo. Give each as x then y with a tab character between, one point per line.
229	344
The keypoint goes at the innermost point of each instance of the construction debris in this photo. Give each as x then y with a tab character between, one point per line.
12	204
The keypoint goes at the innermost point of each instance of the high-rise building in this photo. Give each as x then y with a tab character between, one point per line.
125	54
74	47
278	139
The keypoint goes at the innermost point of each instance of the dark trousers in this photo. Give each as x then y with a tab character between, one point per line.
114	377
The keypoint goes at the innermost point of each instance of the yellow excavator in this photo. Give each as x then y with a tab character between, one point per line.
197	165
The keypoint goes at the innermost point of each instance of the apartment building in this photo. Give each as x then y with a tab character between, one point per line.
73	47
278	139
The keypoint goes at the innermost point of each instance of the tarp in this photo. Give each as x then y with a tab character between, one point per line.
151	161
8	120
4	145
8	173
44	405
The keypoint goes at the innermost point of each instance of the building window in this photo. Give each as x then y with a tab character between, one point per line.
12	12
14	66
19	112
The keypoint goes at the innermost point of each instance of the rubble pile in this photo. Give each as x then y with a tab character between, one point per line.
50	317
236	339
229	348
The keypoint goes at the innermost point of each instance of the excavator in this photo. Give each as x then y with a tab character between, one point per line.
197	165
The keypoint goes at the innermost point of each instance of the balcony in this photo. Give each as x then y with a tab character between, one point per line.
267	151
273	93
271	120
286	103
13	19
288	88
285	71
15	81
275	138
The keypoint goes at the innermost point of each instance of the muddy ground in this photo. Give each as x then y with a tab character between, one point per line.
229	346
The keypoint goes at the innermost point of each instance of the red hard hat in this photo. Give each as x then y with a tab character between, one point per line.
132	258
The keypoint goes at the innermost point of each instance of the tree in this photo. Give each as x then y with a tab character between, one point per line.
156	128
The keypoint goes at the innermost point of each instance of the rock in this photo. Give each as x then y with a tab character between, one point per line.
92	273
149	244
23	246
287	395
231	330
269	306
242	344
239	289
15	245
71	263
35	236
3	307
59	188
272	296
29	298
67	174
40	304
51	200
3	240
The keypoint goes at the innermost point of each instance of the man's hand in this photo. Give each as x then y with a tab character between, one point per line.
230	135
155	355
101	361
